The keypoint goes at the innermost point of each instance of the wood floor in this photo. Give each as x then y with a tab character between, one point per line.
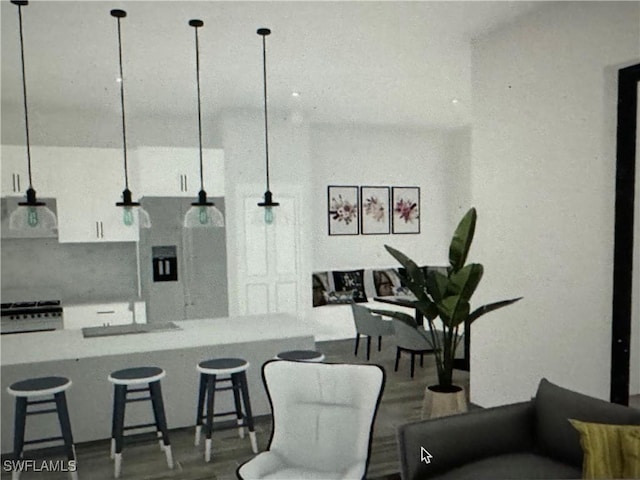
401	403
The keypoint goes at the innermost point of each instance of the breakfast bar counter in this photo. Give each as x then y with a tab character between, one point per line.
89	361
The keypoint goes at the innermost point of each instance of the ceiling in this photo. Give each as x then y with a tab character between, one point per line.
399	63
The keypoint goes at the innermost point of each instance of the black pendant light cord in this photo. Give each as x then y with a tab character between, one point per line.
264	32
24	89
120	14
196	24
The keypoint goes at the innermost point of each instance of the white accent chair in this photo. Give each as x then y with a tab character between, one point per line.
323	416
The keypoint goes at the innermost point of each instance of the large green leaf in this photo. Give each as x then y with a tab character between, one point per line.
454	310
437	285
478	312
462	238
465	281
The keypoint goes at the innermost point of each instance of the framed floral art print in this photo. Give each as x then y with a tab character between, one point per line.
343	210
374	211
406	209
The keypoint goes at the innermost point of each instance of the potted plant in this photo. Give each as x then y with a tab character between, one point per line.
445	297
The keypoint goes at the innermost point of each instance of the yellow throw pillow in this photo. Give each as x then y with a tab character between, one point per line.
631	453
602	445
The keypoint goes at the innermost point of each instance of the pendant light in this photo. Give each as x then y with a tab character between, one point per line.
127	204
268	202
202	213
32	214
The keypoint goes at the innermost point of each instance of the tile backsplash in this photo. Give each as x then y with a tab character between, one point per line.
80	272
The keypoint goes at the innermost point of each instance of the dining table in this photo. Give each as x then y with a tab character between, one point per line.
412	302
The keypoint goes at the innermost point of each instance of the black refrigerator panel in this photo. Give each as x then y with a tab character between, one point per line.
164	263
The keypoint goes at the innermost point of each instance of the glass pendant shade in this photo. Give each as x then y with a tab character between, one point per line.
31	215
268	215
136	216
132	213
203	216
203	213
34	218
268	204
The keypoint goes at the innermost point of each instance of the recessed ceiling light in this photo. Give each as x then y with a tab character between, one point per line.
455	101
295	94
119	79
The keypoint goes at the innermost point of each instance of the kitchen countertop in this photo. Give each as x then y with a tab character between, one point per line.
29	348
89	361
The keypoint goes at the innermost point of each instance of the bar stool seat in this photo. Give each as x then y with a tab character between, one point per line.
124	382
233	371
40	387
301	356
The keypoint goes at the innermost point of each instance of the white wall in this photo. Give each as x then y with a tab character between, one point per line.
543	157
374	156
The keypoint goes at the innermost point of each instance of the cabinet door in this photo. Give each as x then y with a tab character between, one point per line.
94	181
175	172
15	177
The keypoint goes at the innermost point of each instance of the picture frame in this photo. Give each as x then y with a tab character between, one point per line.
342	210
375	216
405	209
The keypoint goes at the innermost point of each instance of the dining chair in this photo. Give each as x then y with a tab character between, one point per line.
370	325
323	418
409	339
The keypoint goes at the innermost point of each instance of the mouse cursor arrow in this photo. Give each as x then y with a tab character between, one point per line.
425	456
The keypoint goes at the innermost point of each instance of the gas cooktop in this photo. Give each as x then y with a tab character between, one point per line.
31	316
39	308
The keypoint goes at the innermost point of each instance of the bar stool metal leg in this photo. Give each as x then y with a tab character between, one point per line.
211	380
202	391
161	420
119	401
18	432
236	400
65	424
242	376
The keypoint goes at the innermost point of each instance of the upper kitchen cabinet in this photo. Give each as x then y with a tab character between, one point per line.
88	183
15	175
175	172
15	172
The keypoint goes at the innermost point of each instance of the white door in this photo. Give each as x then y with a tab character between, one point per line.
269	257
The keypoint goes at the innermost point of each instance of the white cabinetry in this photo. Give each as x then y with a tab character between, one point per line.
15	176
87	183
15	171
175	172
103	314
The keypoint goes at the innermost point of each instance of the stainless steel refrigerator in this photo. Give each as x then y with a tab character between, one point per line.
183	272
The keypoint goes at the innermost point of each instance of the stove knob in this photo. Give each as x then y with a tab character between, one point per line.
46	315
40	315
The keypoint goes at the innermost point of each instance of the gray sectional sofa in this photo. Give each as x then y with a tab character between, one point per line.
528	440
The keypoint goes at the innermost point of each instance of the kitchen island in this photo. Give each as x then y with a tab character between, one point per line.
89	361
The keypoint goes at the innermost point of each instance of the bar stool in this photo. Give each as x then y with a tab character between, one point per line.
301	356
124	381
39	387
234	369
